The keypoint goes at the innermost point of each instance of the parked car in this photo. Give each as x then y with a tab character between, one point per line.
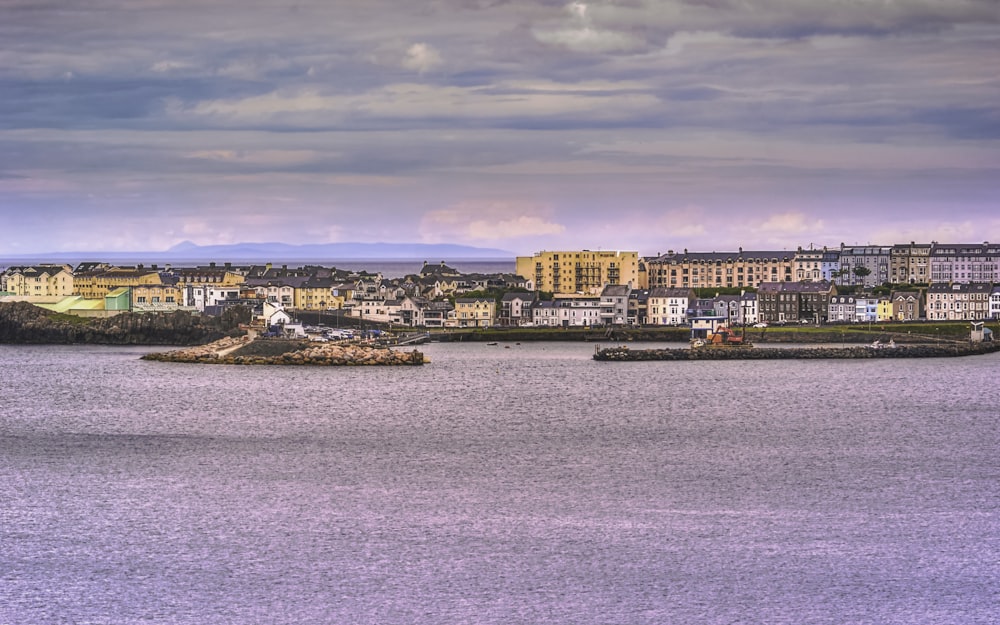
760	325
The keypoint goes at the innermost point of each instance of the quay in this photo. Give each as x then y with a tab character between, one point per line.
624	354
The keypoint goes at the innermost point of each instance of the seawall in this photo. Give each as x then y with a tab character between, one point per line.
624	354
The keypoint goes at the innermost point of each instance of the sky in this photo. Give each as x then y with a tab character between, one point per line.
642	125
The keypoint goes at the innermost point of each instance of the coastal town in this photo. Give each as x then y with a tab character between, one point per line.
554	289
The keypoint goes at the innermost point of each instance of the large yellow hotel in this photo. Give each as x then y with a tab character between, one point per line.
582	271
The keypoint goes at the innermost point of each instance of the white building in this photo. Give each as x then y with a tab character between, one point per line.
668	306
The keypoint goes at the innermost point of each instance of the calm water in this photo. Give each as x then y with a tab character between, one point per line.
526	484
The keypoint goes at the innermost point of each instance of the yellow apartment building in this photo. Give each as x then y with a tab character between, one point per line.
40	281
97	284
583	271
473	312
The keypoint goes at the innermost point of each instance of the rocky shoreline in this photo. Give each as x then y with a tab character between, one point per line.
248	351
624	354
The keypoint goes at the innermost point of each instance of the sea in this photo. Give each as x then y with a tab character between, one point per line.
498	484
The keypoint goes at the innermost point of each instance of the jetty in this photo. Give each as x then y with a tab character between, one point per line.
622	353
249	350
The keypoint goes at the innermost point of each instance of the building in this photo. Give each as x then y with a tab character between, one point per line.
958	301
515	308
614	304
579	272
964	263
475	312
864	265
740	269
907	305
669	306
910	263
995	303
156	297
98	283
841	309
38	281
638	307
792	302
815	265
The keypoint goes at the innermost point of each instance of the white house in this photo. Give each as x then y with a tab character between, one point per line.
668	306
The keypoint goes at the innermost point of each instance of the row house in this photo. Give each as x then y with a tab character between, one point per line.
964	263
317	294
38	281
208	276
906	305
578	272
995	303
815	265
156	297
436	314
411	311
474	312
852	308
377	309
97	284
737	309
515	308
784	302
614	304
279	290
638	307
958	301
668	306
214	299
910	263
567	311
741	269
419	312
864	265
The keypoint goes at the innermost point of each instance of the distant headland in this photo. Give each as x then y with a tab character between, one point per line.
280	252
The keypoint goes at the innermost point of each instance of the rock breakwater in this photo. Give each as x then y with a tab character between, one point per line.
624	354
246	351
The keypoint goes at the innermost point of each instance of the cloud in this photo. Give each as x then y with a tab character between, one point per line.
487	221
792	222
501	102
684	222
420	57
581	36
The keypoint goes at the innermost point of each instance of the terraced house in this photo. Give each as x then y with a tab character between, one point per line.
473	312
910	263
39	281
958	301
718	269
791	302
98	283
960	262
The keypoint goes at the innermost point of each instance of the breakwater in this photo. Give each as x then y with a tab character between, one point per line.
249	351
624	354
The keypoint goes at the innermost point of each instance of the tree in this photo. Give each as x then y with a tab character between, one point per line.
860	272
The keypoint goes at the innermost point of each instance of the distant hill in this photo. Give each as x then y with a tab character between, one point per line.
278	252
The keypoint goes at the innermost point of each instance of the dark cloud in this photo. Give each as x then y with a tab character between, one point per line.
196	112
